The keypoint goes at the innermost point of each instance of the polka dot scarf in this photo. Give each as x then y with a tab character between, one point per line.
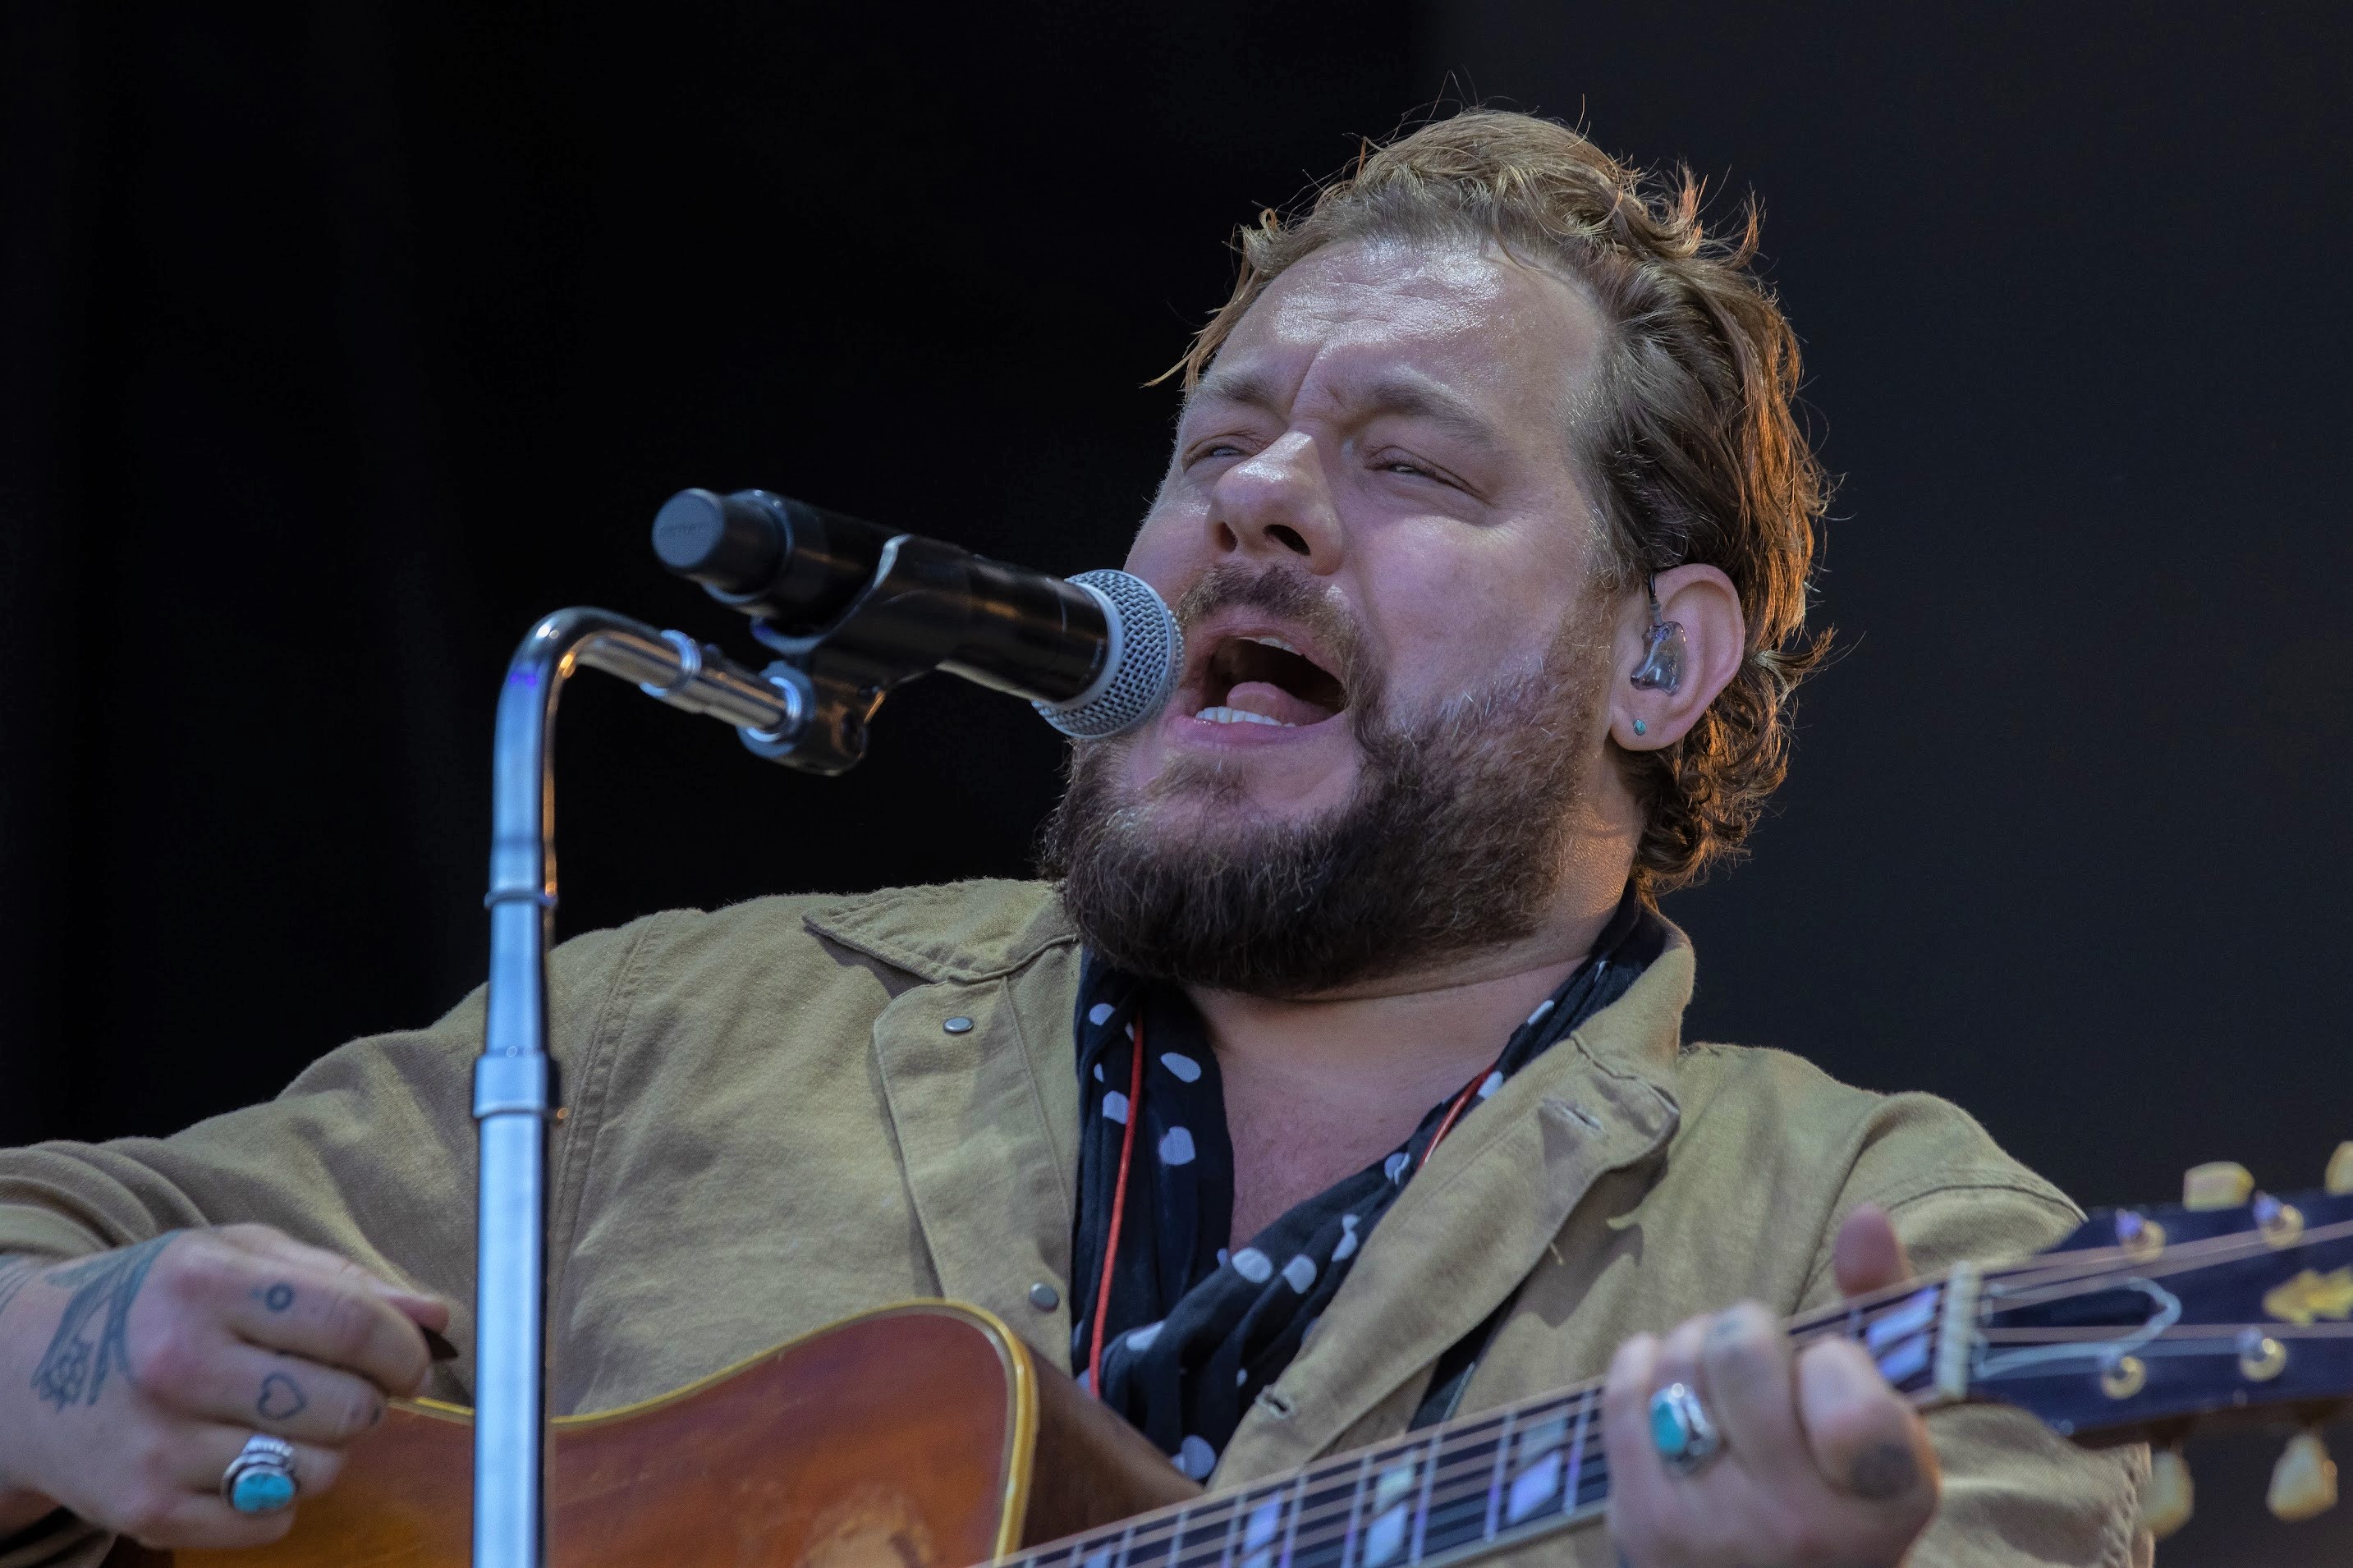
1191	1332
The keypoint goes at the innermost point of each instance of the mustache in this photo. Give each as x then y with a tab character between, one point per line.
1318	608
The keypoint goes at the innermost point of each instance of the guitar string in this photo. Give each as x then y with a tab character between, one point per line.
2068	1265
2094	1333
2203	1254
1465	1475
1446	1484
1308	1528
1318	1526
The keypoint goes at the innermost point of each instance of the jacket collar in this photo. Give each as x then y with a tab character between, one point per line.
958	932
965	931
1642	1033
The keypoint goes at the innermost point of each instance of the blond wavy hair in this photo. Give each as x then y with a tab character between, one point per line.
1695	441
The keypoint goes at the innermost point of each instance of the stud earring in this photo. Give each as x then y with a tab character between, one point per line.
1640	728
1661	669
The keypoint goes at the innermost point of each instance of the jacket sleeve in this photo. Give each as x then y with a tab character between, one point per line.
2015	1492
369	1154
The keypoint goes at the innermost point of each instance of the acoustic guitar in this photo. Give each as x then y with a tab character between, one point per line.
925	1435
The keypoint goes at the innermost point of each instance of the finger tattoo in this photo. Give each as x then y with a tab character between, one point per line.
281	1398
1882	1472
277	1298
93	1335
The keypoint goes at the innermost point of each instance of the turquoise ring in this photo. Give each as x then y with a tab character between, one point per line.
1681	1431
260	1479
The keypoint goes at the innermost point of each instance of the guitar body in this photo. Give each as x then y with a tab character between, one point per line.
900	1439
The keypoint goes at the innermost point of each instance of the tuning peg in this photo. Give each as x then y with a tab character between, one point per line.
2165	1503
2339	1179
2303	1482
2222	1184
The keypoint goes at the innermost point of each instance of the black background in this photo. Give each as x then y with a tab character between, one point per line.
342	341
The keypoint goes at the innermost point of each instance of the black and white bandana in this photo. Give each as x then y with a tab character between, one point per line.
1193	1333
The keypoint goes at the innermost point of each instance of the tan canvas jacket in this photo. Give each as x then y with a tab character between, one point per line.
767	1126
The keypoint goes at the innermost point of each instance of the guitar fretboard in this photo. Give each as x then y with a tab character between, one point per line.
1464	1488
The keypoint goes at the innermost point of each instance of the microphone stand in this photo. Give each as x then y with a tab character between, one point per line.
513	1077
809	710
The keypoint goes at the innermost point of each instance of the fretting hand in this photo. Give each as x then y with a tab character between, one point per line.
129	1381
1817	1463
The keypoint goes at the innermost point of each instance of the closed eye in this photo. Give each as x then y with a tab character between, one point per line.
1395	463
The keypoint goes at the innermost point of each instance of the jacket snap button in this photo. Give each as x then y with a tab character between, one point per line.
1044	1297
959	1025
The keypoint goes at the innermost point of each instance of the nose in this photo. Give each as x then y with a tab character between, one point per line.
1276	505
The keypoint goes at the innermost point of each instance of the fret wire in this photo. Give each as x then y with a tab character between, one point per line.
1577	1455
1421	1506
1291	1527
1495	1479
1356	1508
1233	1529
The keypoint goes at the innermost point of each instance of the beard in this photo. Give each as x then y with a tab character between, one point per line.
1455	836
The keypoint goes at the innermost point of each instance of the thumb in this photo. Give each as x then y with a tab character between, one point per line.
1868	1255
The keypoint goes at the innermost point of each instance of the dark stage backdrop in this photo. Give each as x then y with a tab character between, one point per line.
342	342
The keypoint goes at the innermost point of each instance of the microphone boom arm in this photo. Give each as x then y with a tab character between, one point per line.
515	1078
926	605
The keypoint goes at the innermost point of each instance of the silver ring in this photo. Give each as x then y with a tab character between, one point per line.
1681	1431
260	1479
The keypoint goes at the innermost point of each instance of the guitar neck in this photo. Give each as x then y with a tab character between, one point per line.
1492	1480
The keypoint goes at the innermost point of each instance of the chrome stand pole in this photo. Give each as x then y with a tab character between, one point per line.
515	1078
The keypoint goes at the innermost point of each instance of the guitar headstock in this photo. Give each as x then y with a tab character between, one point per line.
2146	1322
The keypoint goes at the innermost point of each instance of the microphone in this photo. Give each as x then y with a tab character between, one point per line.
1096	654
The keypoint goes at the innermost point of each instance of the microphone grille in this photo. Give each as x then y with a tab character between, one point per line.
1147	650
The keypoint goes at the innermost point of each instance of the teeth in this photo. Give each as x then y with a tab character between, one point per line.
1275	642
1240	716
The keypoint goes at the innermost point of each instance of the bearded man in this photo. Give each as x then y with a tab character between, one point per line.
1490	526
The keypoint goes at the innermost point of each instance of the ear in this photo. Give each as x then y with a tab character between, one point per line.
1703	601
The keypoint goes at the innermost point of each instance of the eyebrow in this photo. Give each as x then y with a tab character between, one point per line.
1395	391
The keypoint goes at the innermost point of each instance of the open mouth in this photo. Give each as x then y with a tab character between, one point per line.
1260	679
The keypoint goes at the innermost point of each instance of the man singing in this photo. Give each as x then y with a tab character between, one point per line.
1346	1009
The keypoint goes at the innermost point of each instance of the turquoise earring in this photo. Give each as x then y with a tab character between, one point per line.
1640	728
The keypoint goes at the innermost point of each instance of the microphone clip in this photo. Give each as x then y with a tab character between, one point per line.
902	625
